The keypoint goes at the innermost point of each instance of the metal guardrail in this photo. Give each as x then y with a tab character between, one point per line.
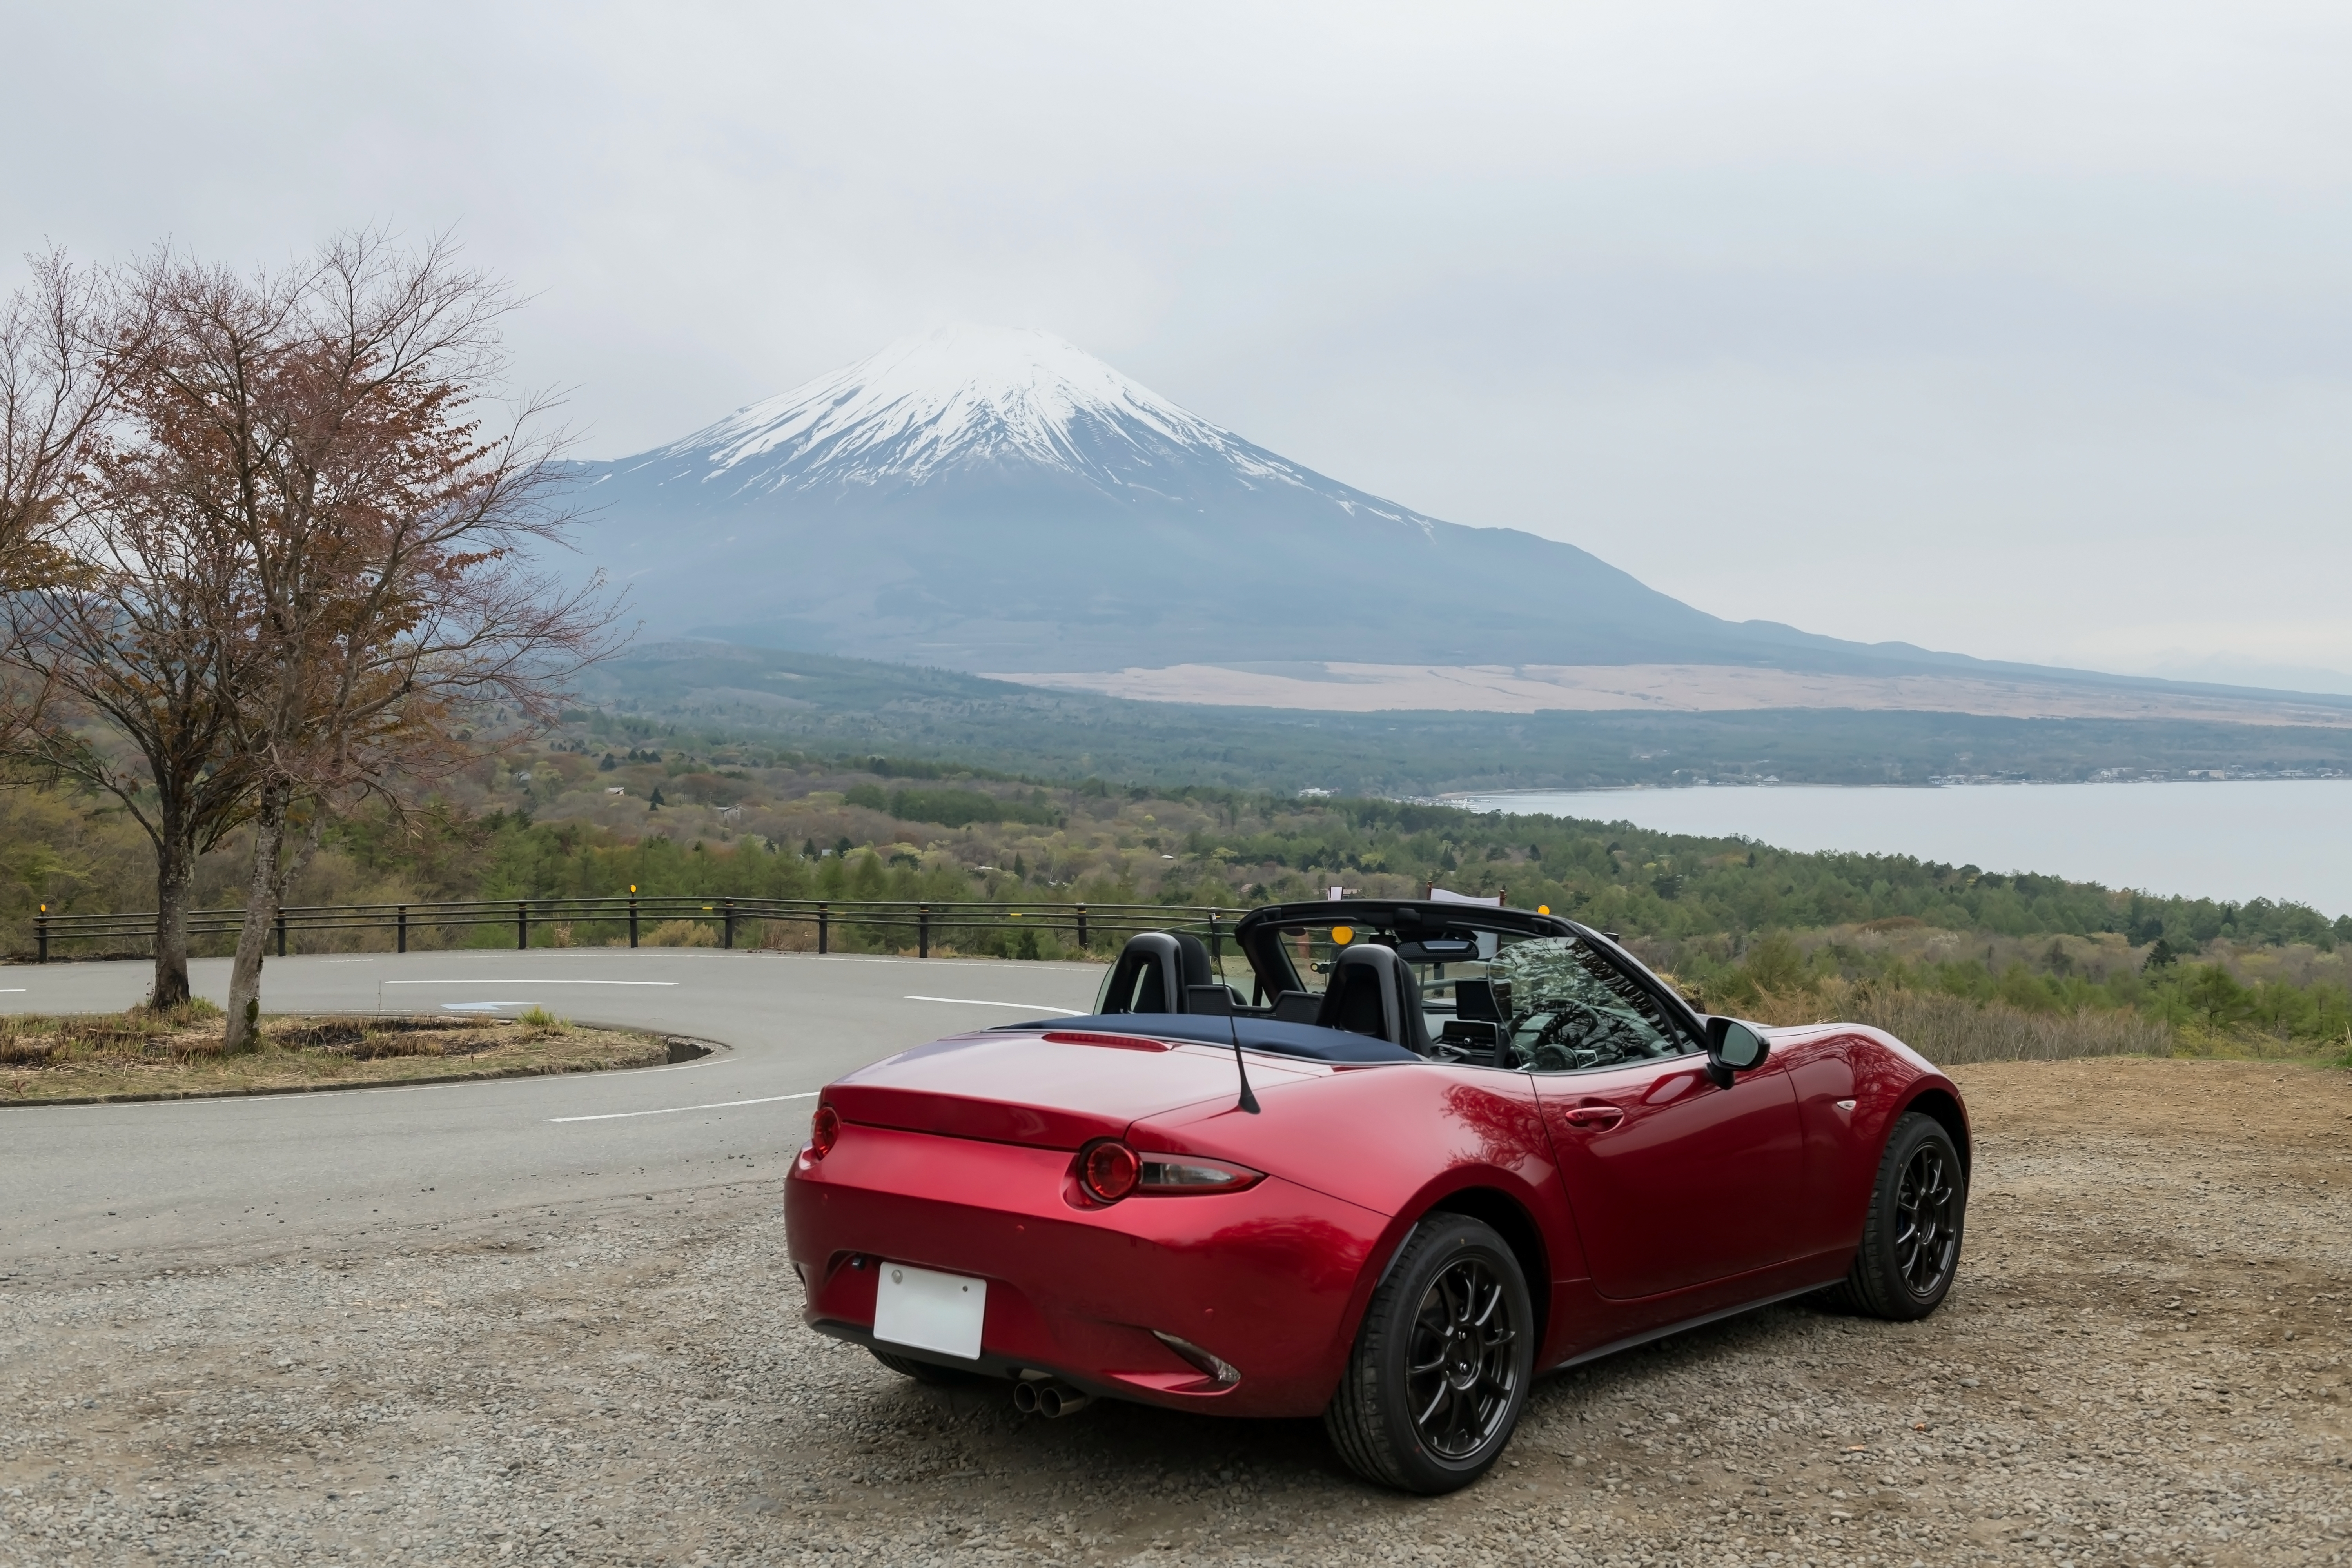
927	921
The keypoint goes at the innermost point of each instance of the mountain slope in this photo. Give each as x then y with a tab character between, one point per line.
985	499
683	690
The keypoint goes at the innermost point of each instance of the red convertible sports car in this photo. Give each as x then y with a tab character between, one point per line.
1436	1150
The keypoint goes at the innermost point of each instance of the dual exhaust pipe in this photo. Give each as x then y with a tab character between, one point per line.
1049	1398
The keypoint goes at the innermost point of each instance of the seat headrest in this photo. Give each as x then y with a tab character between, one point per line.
1153	970
1193	954
1372	991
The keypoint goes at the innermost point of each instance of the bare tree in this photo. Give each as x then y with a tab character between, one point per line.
259	535
384	544
112	612
67	338
142	629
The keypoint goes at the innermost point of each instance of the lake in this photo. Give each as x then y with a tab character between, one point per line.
2289	840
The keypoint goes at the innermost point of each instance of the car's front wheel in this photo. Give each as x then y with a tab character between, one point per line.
1910	1249
1442	1364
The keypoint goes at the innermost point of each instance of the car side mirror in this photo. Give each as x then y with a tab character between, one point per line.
1733	1047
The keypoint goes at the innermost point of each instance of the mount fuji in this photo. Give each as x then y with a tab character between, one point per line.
987	498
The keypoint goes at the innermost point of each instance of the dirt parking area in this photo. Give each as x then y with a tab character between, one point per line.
2145	1362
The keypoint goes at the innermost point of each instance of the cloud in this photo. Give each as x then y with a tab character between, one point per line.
2018	329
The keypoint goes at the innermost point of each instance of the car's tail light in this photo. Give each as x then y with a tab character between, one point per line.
1109	1169
1171	1173
825	1131
1098	1038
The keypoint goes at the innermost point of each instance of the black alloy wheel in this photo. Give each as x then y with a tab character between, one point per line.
1441	1366
1460	1376
1910	1250
1926	1229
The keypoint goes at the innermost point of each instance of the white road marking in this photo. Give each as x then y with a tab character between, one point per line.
474	1007
996	963
675	1109
1024	1006
530	982
12	990
264	1101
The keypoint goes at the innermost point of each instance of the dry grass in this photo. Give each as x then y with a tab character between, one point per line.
785	936
682	934
1952	1030
178	1052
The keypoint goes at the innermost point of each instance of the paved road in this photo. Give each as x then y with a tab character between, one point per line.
95	1183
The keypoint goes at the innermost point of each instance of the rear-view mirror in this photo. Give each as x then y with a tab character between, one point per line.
1439	950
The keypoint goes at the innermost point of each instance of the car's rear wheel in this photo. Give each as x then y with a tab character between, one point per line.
927	1372
1441	1367
1910	1250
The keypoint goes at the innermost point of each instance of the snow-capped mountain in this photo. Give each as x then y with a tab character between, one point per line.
990	499
962	397
966	402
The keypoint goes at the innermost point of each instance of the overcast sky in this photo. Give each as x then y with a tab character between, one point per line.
2019	330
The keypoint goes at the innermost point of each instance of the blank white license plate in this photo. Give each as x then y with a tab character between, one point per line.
929	1311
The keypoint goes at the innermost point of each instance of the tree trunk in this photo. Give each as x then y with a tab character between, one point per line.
175	875
263	889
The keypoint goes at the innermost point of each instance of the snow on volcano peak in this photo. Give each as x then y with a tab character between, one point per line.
965	395
987	498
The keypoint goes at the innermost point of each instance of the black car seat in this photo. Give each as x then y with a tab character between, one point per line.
1373	991
1152	971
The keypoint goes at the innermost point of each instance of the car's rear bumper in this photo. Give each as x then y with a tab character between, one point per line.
1265	1279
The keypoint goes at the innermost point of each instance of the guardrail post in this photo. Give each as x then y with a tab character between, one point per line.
41	935
922	930
402	923
522	924
727	922
821	928
1082	927
1216	943
633	917
282	933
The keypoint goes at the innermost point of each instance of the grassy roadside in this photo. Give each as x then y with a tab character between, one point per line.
176	1053
1951	1030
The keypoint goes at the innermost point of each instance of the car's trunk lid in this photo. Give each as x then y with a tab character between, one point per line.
1051	1090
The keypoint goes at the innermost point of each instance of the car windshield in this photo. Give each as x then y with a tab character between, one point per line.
1540	1004
1569	1007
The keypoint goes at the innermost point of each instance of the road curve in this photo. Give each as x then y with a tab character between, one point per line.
94	1182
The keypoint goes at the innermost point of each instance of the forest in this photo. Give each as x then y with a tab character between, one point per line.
606	805
816	703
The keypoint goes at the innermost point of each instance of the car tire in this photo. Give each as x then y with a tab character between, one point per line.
1441	1364
928	1372
1910	1250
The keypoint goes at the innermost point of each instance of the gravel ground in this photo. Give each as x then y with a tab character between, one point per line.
2144	1362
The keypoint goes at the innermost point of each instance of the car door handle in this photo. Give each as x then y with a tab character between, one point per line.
1594	1116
